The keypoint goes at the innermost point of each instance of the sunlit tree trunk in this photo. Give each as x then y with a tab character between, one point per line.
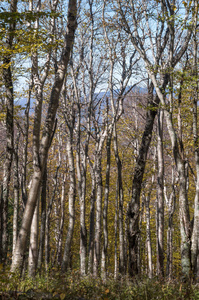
160	198
97	236
25	149
46	138
16	192
48	215
116	234
26	131
60	238
171	201
148	228
105	209
71	201
81	164
183	200
92	223
33	247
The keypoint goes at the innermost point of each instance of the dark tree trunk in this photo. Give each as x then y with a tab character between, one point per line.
9	105
134	206
43	220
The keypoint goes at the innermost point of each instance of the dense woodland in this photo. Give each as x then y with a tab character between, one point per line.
99	136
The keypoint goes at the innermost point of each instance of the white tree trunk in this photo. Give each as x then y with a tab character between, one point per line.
97	238
33	247
16	194
46	138
71	204
160	198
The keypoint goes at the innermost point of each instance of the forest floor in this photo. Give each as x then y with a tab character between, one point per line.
71	286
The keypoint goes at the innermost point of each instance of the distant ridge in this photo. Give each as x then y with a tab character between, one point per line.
97	96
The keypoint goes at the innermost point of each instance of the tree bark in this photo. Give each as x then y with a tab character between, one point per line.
71	196
97	237
160	198
171	201
33	247
105	209
148	229
46	138
121	196
195	234
16	192
43	220
9	102
81	176
134	207
92	222
116	235
60	238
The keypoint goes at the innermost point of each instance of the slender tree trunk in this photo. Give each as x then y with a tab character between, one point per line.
148	230
81	175
16	193
47	225
160	198
126	241
92	223
120	191
105	210
83	230
183	200
46	138
59	248
171	208
148	237
115	231
33	247
25	148
97	242
71	196
195	234
43	220
184	223
178	153
140	249
47	247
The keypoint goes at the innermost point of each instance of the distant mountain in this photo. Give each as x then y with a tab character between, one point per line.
135	89
97	96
